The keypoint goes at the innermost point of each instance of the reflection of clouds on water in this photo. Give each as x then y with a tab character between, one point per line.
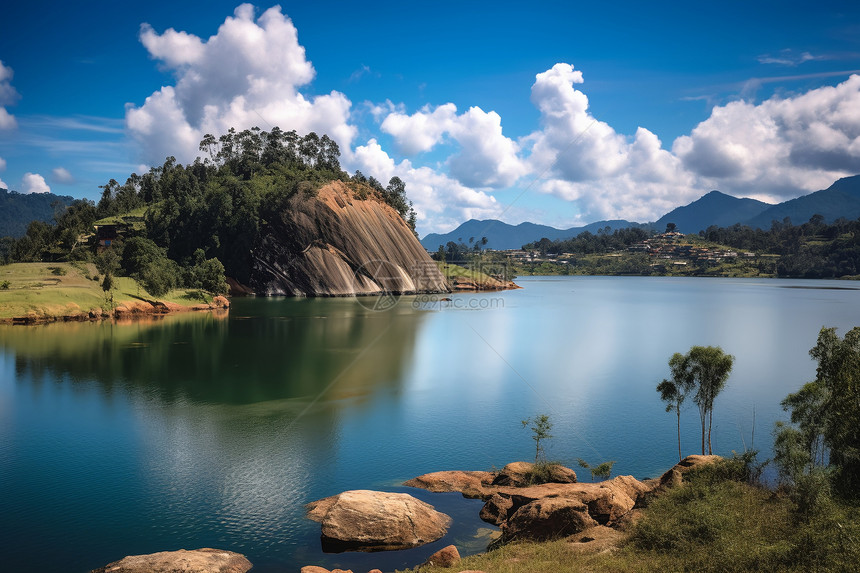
236	462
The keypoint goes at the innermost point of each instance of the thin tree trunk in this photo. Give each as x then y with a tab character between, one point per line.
702	415
678	410
710	420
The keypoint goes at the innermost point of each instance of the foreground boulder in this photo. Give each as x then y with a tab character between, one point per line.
555	509
375	521
204	560
445	557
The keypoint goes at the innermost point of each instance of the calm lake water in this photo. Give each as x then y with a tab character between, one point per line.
199	430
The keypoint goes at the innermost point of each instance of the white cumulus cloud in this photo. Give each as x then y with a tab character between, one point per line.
486	157
780	148
62	175
34	183
441	202
8	96
584	160
246	75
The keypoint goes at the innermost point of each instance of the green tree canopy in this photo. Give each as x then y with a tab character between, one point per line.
826	412
675	391
710	368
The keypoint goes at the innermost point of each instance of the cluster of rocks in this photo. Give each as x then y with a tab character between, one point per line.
588	513
559	508
446	557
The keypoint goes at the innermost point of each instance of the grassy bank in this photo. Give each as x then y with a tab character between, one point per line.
715	522
470	278
52	290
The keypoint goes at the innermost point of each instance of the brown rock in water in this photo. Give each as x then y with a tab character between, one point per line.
204	560
373	521
314	569
497	509
519	474
470	484
336	244
515	474
445	557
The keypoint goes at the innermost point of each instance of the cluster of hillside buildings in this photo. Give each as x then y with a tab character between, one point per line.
663	247
668	247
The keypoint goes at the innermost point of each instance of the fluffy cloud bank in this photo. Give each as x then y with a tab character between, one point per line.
8	96
486	157
440	201
245	75
780	147
581	159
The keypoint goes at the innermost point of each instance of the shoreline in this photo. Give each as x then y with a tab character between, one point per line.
141	310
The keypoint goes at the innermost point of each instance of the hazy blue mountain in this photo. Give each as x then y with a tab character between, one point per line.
502	236
18	210
842	199
715	208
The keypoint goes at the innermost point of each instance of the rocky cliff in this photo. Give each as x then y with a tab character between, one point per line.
337	244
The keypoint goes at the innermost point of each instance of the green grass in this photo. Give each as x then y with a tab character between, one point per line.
120	219
454	272
62	289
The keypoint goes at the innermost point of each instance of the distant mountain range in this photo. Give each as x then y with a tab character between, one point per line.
842	199
18	210
503	236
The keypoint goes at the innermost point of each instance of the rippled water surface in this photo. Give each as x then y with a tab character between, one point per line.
199	430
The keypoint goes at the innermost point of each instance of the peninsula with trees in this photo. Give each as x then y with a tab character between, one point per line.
260	212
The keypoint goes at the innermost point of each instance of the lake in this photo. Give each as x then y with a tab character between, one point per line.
201	430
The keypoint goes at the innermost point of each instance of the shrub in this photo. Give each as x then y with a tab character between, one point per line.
541	472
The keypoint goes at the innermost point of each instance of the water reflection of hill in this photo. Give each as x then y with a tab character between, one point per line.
264	350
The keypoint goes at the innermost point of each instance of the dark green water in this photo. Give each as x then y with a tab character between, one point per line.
203	431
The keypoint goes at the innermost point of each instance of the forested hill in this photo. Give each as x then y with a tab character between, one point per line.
17	210
205	218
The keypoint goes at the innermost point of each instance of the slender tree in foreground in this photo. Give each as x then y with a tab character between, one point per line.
540	428
675	391
710	368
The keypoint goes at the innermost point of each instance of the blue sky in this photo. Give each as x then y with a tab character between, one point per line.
544	111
